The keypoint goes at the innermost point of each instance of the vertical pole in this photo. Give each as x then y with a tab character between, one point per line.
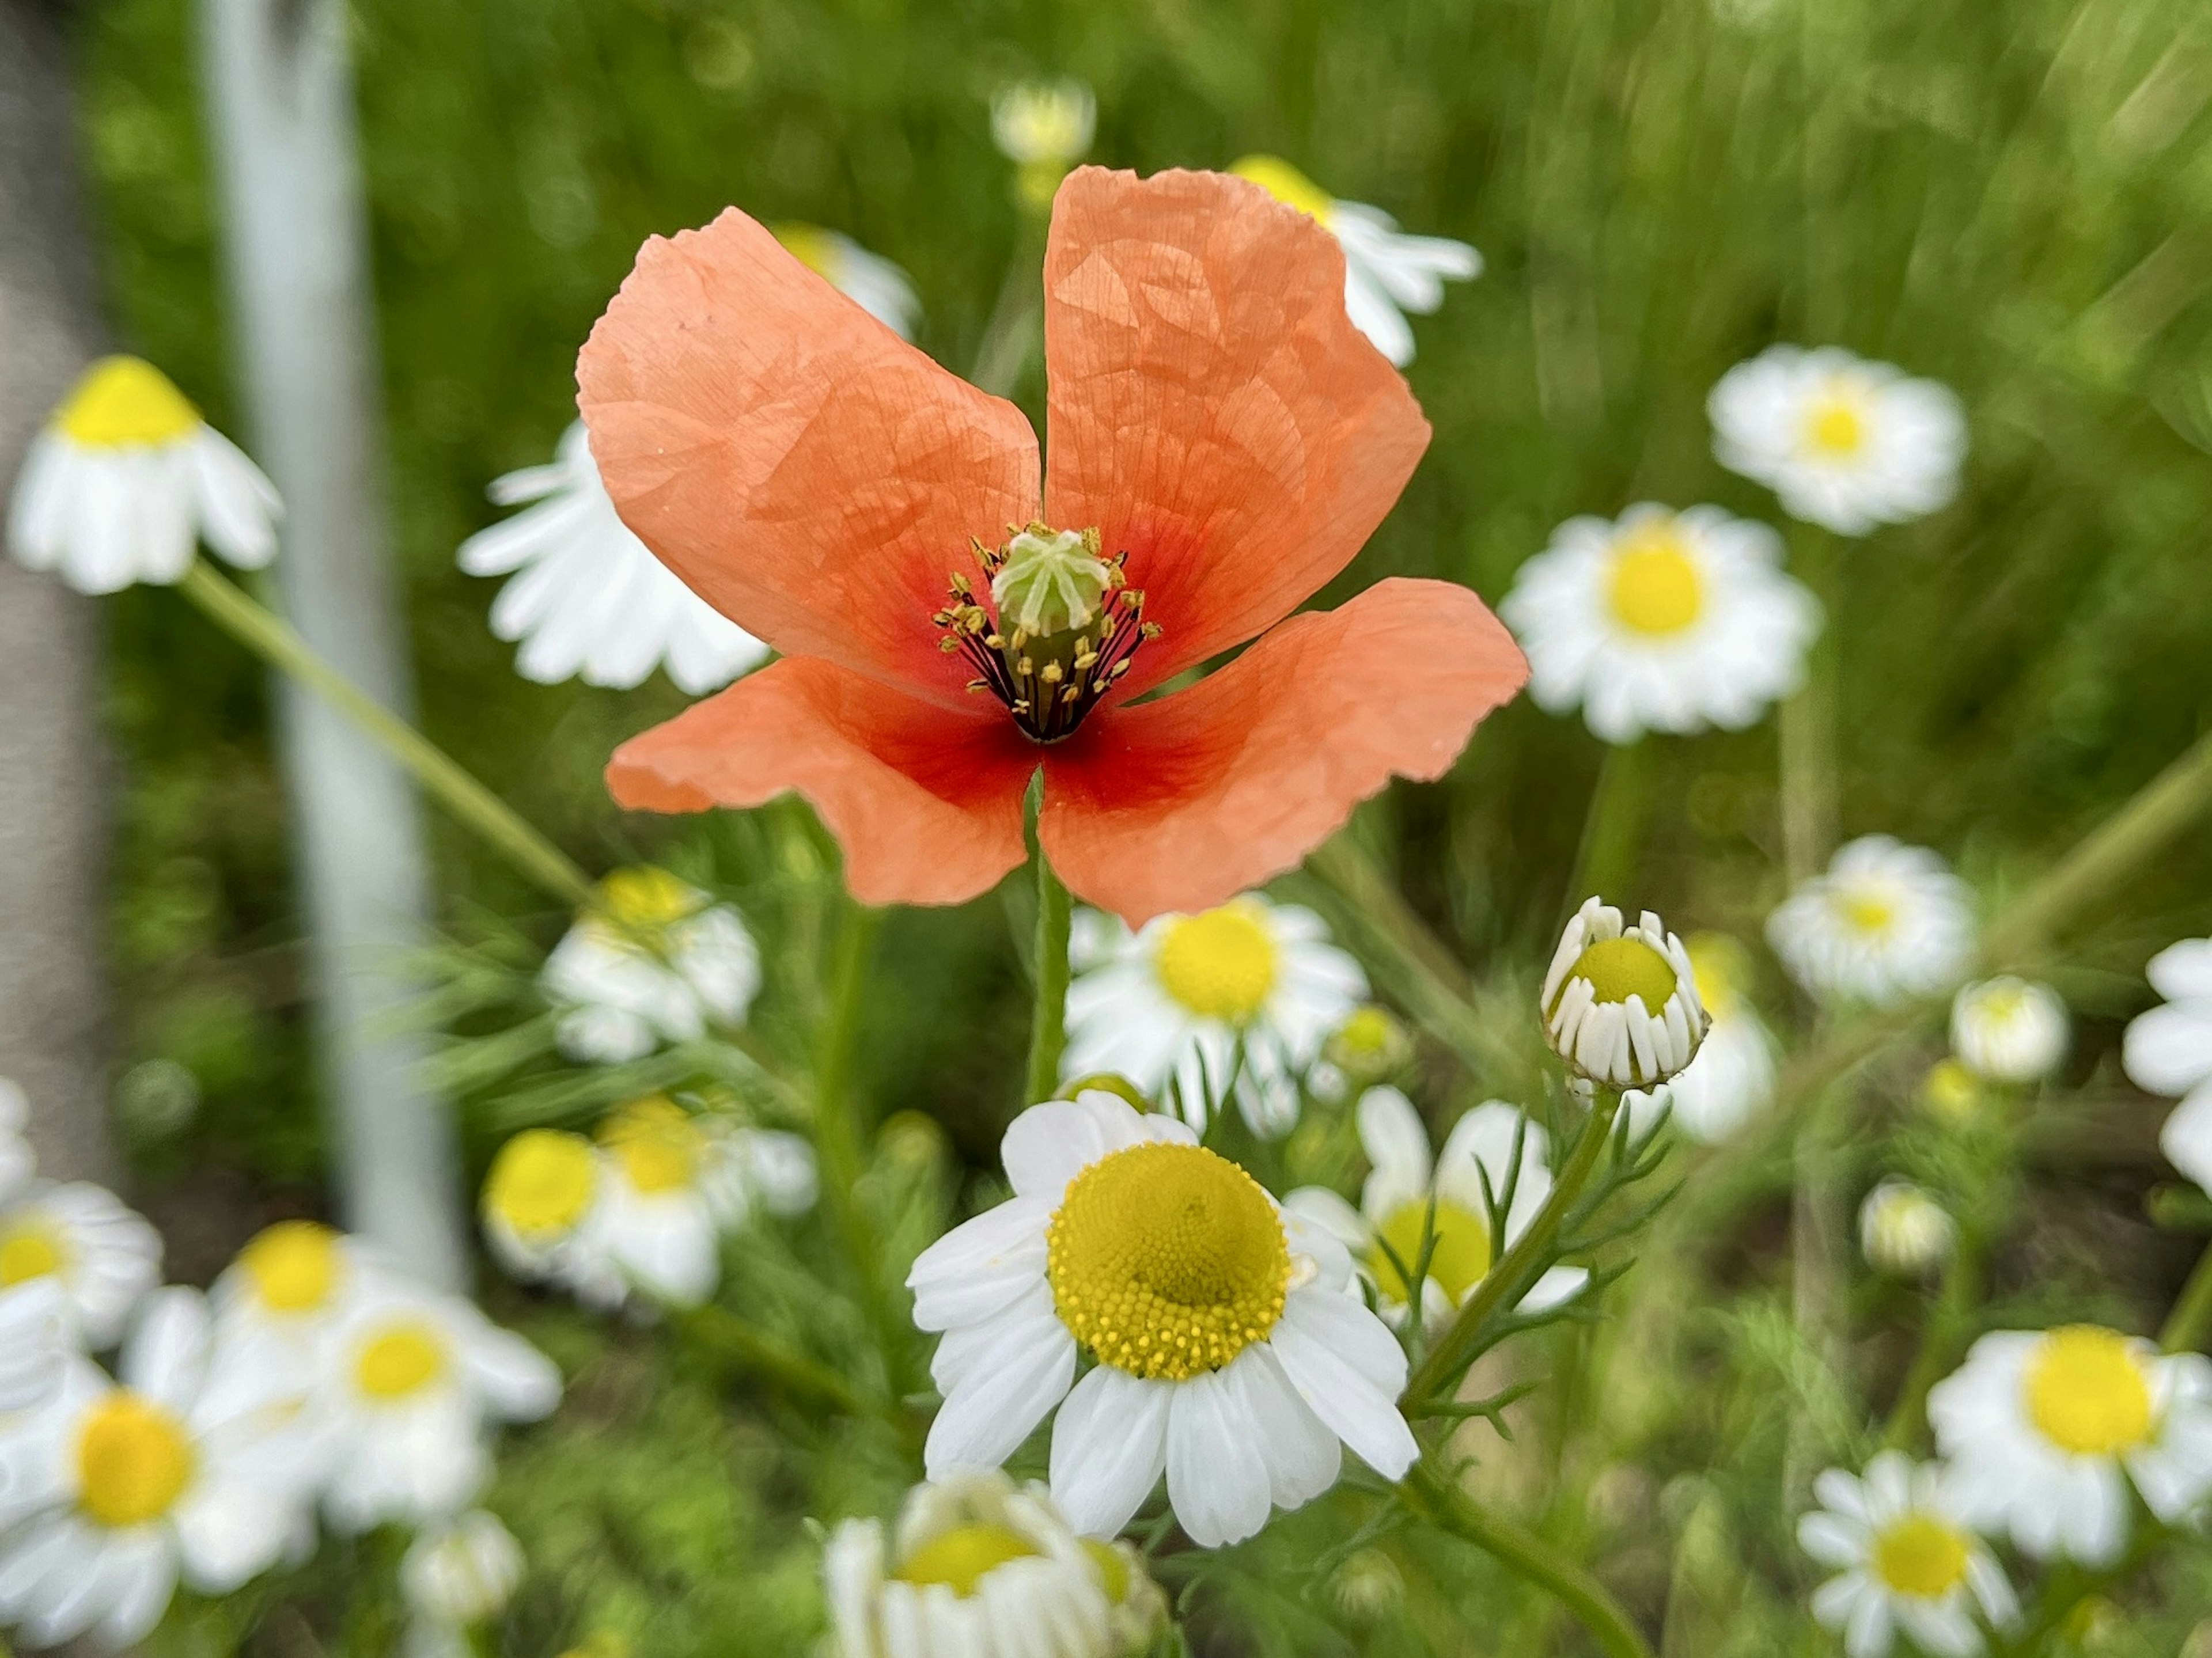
52	819
280	91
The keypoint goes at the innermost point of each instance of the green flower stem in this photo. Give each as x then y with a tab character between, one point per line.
1455	1348
2190	1320
722	1332
1048	1021
275	640
1015	330
1939	1346
1806	727
1436	1497
1604	862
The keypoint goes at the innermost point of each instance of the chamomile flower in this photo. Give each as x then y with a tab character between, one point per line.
1904	1231
542	1211
1233	1352
978	1564
1171	1003
115	1491
648	962
103	1255
1620	1004
1409	1196
38	1341
2008	1030
458	1573
1885	921
1845	443
291	1282
406	1390
2046	1429
1904	1558
870	280
18	1164
127	479
1732	1074
1661	621
1044	128
2169	1050
588	598
1387	273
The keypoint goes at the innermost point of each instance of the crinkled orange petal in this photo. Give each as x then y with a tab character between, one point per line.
1181	803
812	475
927	804
1212	409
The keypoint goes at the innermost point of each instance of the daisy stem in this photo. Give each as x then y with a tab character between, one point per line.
1939	1345
2190	1320
1049	1023
1433	1494
1605	861
1516	1270
278	642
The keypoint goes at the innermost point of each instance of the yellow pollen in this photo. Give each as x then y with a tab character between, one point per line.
1368	1033
1113	1569
657	1144
1166	1260
31	1246
2087	1391
645	898
541	1182
1719	969
963	1557
1654	586
1618	968
812	247
126	403
1835	428
1920	1556
1220	964
1460	1258
1950	1090
1866	912
1286	184
403	1358
292	1265
133	1461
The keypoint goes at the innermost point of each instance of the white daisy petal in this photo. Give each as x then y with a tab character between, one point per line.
1109	1449
1218	1476
1349	1370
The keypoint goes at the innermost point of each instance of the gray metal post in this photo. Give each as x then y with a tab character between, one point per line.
280	93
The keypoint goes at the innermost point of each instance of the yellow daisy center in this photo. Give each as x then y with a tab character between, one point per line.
541	1182
401	1359
2087	1391
1166	1260
1113	1569
31	1246
1286	184
811	245
1950	1089
1655	588
1460	1258
1717	968
126	403
658	1146
1221	965
1835	426
1920	1555
134	1460
292	1265
963	1557
1868	912
646	898
1618	968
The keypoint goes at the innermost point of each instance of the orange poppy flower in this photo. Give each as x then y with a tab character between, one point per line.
1222	435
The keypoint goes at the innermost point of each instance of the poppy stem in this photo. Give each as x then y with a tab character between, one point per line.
1049	1023
266	634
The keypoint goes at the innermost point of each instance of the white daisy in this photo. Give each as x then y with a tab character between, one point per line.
2008	1030
103	1255
1234	1352
648	962
543	1213
1620	1004
291	1282
1885	921
979	1565
588	598
870	280
1385	1233
125	480
1044	128
1661	621
1906	1559
456	1575
2045	1429
114	1491
408	1385
2169	1050
1387	273
18	1164
1171	1003
1845	443
1732	1074
1904	1231
38	1341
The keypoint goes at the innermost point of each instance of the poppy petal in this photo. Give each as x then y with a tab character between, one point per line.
927	806
1212	409
813	476
1180	804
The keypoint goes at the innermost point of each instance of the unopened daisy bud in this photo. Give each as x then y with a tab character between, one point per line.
1044	128
1368	1586
461	1572
1620	1004
1904	1231
1368	1045
1137	1609
1950	1092
2008	1030
1052	581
